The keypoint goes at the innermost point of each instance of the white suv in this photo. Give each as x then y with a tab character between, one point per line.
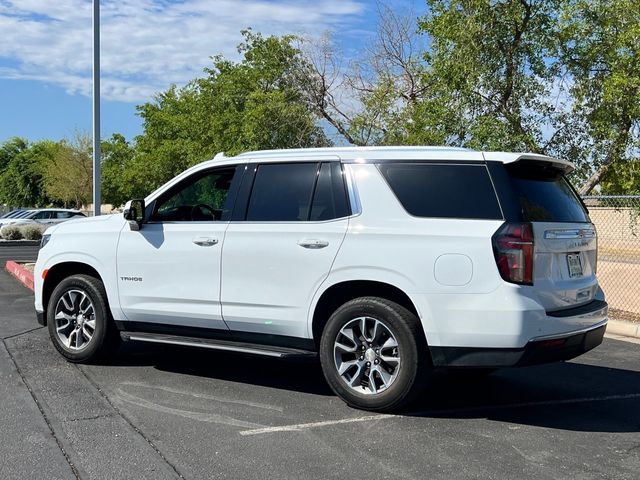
387	262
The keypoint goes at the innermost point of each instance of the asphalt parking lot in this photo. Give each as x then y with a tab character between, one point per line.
166	412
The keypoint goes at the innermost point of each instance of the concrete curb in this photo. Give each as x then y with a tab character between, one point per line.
19	243
616	327
23	275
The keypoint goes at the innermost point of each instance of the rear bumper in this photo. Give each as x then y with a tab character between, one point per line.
537	351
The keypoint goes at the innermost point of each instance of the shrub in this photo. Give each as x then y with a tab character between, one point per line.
11	232
33	232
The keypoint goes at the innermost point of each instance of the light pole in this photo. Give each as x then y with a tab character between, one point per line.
96	107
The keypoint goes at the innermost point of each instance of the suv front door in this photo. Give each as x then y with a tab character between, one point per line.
169	271
282	247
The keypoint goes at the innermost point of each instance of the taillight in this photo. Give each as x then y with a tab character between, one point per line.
513	249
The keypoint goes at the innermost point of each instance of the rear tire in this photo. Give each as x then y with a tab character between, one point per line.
374	355
78	319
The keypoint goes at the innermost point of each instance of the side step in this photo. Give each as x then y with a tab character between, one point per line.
252	348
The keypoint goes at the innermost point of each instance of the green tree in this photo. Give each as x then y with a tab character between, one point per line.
557	77
622	178
117	155
10	149
489	63
21	172
68	176
255	103
600	42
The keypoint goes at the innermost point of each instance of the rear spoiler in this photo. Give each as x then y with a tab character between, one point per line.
563	165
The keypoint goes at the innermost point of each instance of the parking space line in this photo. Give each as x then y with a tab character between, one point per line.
204	396
199	416
305	426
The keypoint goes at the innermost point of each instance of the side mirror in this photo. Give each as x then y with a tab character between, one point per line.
134	214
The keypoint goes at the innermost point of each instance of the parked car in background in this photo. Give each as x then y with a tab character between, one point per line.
46	216
12	213
17	215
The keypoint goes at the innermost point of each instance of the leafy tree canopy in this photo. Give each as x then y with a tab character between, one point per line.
251	104
22	167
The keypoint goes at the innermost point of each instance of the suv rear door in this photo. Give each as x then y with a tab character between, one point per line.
288	225
565	243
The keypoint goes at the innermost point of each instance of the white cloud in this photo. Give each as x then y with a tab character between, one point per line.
146	44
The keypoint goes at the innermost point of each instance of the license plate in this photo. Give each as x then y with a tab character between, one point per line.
575	265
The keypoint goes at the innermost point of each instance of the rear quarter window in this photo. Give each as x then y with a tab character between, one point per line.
443	190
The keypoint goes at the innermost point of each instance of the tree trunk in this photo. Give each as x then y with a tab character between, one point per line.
616	151
593	180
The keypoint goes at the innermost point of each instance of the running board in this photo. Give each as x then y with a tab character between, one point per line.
231	346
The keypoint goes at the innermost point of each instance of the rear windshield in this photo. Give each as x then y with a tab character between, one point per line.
443	190
544	193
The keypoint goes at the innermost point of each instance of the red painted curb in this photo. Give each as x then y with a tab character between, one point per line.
23	275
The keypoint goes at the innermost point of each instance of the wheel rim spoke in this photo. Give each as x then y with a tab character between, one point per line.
347	365
377	331
345	348
366	355
356	379
391	361
384	376
372	382
389	343
67	301
351	337
63	321
71	338
86	333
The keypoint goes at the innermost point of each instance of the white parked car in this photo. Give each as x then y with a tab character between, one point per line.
45	216
387	262
15	215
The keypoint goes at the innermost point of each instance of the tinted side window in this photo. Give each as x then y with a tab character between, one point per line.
443	191
202	197
330	197
282	192
545	195
64	214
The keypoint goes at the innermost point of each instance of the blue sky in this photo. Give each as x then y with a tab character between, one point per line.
45	52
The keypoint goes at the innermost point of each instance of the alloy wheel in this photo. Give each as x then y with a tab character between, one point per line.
75	319
366	355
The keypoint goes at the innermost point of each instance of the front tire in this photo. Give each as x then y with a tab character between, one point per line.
374	355
78	319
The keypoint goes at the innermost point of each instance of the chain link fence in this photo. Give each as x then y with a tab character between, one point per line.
617	220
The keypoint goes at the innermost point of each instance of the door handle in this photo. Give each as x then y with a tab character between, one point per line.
313	244
205	241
